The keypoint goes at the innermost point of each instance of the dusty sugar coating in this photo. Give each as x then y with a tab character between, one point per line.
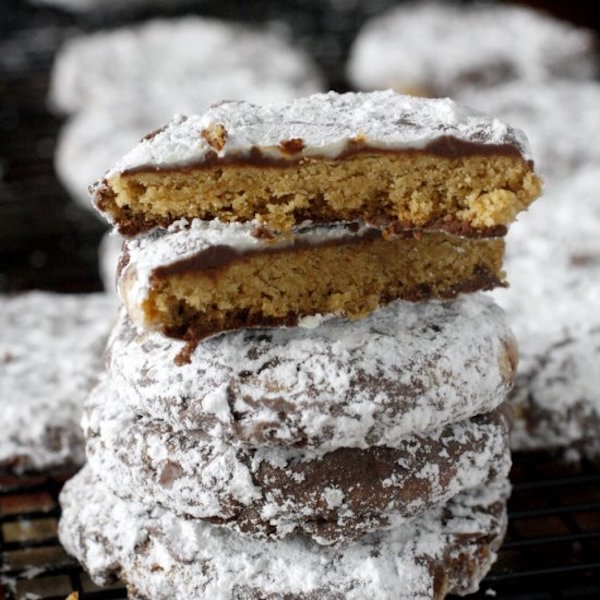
197	281
440	49
333	497
383	120
405	369
50	357
553	263
192	57
448	549
385	158
561	119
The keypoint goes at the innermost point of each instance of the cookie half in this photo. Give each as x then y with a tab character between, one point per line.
447	550
392	160
332	497
405	369
197	281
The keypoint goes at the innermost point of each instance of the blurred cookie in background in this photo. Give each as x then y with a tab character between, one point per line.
553	263
439	49
96	137
179	63
128	82
50	358
109	252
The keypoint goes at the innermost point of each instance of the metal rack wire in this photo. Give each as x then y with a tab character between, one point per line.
32	563
552	548
551	552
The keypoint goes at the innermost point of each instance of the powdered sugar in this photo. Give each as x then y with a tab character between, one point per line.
443	48
326	124
192	58
50	357
174	557
404	369
339	496
553	263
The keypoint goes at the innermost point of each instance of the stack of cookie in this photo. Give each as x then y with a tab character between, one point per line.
330	422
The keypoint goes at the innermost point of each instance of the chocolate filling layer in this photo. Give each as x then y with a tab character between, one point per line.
445	147
216	257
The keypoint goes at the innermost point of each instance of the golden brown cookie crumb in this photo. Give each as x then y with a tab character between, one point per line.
473	194
191	300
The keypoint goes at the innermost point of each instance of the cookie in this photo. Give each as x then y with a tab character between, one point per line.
439	49
391	160
557	400
332	496
50	358
174	63
557	116
405	369
190	282
447	550
553	262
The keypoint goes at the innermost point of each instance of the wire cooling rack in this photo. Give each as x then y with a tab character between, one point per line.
551	552
32	562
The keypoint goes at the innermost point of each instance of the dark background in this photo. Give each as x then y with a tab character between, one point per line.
46	240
